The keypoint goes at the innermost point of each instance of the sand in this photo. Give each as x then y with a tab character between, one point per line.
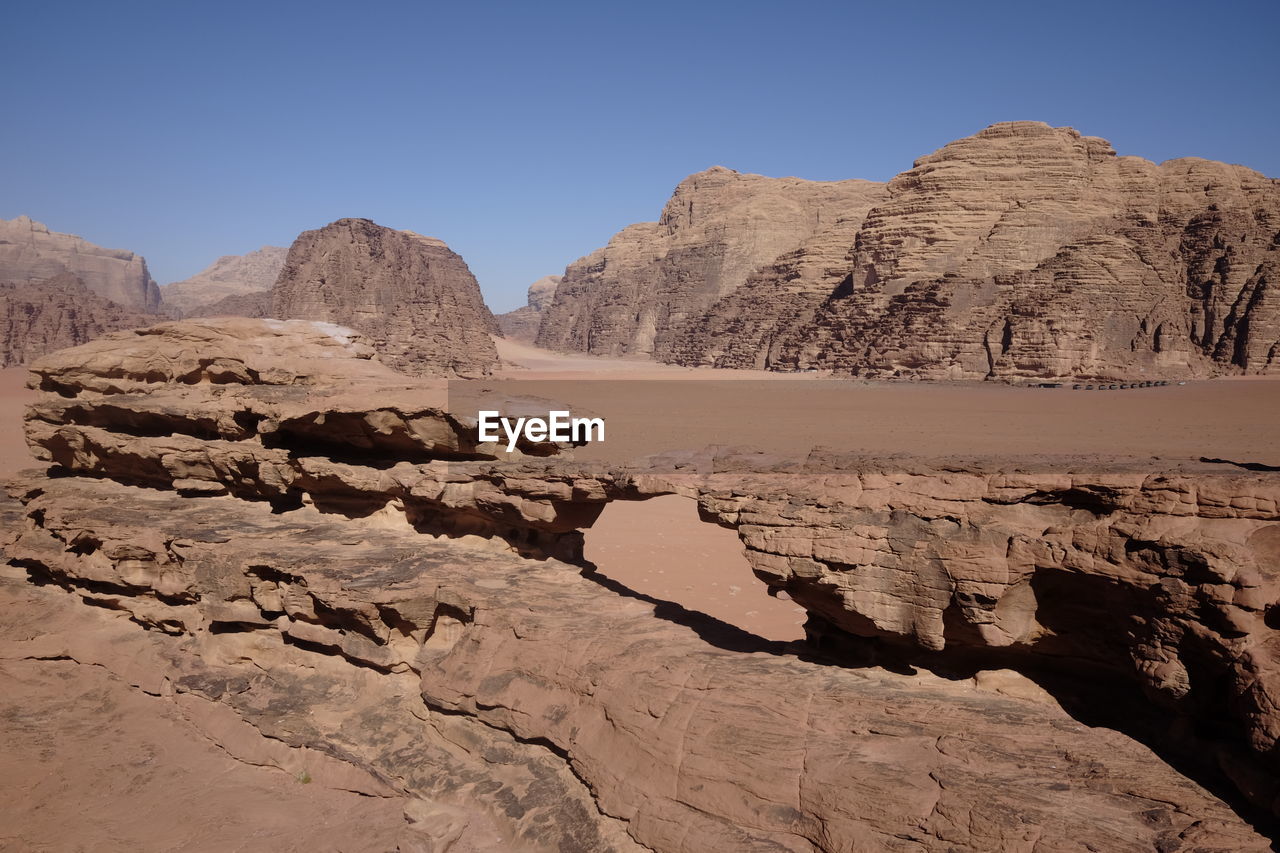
14	397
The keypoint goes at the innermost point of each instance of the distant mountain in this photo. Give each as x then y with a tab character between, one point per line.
638	294
230	275
29	252
413	297
42	316
1024	251
522	323
1032	251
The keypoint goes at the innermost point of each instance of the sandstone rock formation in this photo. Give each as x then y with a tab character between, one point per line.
39	317
30	252
522	324
637	294
255	494
1022	251
1028	250
413	297
749	327
255	305
230	275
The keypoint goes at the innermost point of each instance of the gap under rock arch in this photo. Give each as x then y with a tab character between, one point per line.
661	548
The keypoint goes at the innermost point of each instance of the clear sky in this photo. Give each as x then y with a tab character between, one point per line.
524	134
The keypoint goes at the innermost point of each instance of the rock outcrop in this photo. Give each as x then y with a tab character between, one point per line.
230	275
1024	251
749	327
637	294
255	493
1032	251
253	305
39	317
414	298
30	252
522	324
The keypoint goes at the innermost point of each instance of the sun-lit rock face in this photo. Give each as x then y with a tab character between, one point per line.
39	317
1022	251
30	252
1028	250
228	276
290	517
637	294
413	297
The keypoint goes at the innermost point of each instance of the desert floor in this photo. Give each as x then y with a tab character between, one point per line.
156	783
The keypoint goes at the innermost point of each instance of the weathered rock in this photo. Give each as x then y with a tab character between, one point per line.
1022	251
1093	572
522	323
1032	251
748	328
230	275
637	294
414	298
236	305
536	670
30	252
43	316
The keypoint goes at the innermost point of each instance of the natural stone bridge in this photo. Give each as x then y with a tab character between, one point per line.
257	497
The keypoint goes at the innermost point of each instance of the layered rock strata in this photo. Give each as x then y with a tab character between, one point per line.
637	294
1024	251
39	317
228	276
522	324
1033	251
413	297
30	252
224	488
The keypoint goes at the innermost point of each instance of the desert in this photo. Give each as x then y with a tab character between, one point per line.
827	429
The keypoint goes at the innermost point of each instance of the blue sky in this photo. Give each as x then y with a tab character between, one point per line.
525	134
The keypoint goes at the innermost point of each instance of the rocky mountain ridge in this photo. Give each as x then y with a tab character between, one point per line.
414	298
523	323
1024	251
42	316
720	226
29	252
229	275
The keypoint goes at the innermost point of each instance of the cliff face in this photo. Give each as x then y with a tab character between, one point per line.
1022	251
522	324
29	251
748	327
43	316
637	294
225	483
230	275
1028	250
413	297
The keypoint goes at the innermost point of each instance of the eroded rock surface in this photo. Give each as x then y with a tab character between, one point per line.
228	276
42	316
1022	251
30	252
413	297
687	744
267	529
522	324
637	294
1028	250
